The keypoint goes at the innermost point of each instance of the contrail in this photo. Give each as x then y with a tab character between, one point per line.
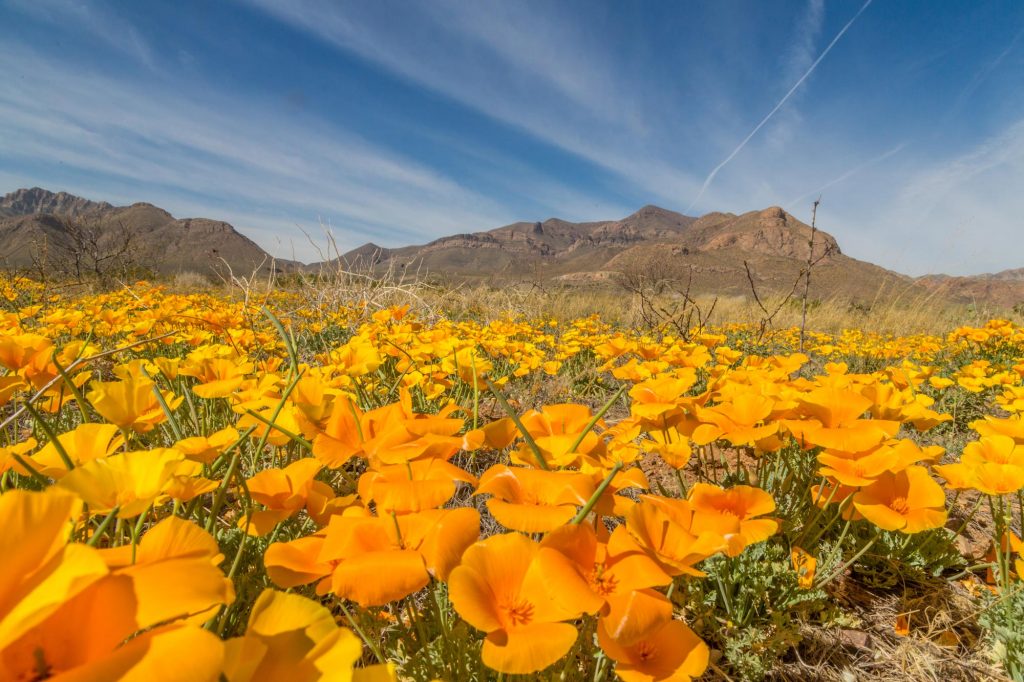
810	70
853	171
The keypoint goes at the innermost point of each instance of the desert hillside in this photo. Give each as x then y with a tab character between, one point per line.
717	253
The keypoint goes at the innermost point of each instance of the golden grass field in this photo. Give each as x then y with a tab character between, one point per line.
380	481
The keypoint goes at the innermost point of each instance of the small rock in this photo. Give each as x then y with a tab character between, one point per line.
857	639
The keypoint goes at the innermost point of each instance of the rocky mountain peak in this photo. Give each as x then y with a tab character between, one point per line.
773	216
37	200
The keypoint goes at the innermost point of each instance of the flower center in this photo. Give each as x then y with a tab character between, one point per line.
519	613
645	651
899	505
602	583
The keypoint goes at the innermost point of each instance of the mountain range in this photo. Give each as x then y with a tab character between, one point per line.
719	253
35	224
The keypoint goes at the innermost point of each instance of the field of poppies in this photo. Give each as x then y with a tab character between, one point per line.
196	487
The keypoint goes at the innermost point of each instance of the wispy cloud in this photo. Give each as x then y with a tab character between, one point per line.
959	215
983	74
743	143
220	151
555	83
845	175
92	18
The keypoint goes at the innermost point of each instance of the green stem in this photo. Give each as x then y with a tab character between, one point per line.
222	491
36	476
178	435
821	510
102	527
280	429
52	435
275	414
682	484
362	635
596	418
293	357
839	571
241	439
75	391
597	494
137	531
519	424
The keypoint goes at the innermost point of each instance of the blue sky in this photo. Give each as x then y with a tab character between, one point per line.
399	122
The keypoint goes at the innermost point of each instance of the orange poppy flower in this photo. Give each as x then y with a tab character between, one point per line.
131	403
9	386
282	491
554	429
664	527
655	400
671	652
217	377
343	436
993	465
82	444
734	511
19	351
205	449
834	421
291	637
671	445
294	563
383	559
993	426
619	575
991	478
611	503
129	481
744	420
805	565
8	454
175	573
508	587
909	501
412	487
533	500
855	469
995	449
392	434
66	614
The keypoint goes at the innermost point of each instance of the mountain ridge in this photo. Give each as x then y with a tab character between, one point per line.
720	252
36	223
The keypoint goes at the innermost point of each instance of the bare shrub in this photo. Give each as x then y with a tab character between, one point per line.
661	285
90	252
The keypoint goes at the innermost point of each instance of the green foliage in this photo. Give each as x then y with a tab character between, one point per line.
896	559
1003	618
763	606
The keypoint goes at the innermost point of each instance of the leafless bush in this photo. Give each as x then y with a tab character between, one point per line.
803	277
253	288
88	252
661	287
372	282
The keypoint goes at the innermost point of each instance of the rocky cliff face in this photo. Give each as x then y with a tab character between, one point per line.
772	232
1004	288
34	221
37	200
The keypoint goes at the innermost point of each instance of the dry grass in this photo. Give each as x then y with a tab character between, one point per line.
944	642
894	310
